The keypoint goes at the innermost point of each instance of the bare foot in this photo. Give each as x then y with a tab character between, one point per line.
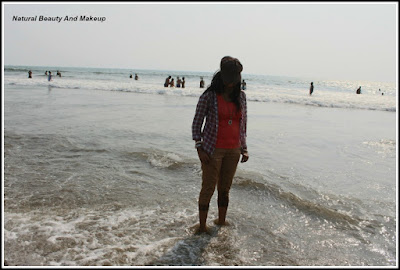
197	230
226	223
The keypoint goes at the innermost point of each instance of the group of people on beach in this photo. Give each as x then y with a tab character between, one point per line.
47	73
58	73
50	76
169	82
136	77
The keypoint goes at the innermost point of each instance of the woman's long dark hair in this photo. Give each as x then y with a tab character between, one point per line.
217	85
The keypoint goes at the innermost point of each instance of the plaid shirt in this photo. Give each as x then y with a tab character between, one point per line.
207	107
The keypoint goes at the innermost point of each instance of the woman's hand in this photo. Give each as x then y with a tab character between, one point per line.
203	156
245	157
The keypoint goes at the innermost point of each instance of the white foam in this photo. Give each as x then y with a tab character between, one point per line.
89	237
164	160
384	147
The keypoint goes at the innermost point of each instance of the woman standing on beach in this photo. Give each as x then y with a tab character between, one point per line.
223	138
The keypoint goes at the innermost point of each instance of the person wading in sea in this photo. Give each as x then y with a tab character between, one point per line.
223	140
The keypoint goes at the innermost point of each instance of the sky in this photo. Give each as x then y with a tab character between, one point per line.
334	40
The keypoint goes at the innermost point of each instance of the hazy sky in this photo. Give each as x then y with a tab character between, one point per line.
357	41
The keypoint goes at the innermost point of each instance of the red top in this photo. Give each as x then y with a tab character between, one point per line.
228	134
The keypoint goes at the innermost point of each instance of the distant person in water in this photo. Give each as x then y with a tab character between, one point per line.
45	73
49	78
130	76
30	74
201	82
183	82
166	84
136	77
59	73
178	82
358	90
243	85
172	83
311	88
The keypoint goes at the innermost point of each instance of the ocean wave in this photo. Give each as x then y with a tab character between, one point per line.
37	71
16	69
164	160
345	212
326	104
316	209
92	237
159	159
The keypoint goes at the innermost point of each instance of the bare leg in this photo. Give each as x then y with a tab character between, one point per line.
227	172
203	221
202	227
222	216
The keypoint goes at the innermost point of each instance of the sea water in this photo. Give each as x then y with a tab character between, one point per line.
100	169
